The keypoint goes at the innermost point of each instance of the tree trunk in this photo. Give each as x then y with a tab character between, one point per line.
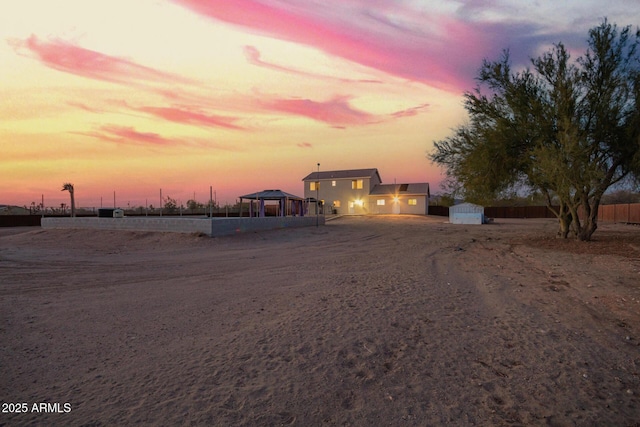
565	220
564	223
73	204
588	227
590	223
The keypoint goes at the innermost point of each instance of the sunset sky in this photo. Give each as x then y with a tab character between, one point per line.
134	96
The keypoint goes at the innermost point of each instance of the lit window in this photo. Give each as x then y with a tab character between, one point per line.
351	204
333	183
356	184
336	203
380	202
313	186
413	201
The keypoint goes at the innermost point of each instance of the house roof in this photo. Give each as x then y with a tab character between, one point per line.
418	188
271	195
343	174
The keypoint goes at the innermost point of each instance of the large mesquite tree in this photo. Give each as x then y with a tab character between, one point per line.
567	129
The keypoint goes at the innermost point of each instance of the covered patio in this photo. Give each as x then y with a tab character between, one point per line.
287	204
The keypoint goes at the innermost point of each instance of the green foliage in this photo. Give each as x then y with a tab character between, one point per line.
447	200
621	196
170	205
193	205
565	129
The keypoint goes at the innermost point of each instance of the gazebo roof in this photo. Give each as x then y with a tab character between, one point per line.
271	195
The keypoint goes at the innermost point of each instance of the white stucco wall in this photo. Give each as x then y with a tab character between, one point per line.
401	206
466	213
208	226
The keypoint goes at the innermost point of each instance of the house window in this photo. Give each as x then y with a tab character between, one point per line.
336	203
333	183
380	202
356	184
413	202
313	186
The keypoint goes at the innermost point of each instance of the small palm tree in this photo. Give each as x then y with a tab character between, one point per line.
67	186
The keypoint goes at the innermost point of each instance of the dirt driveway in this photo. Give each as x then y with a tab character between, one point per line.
390	320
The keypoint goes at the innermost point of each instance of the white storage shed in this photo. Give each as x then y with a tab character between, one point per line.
466	213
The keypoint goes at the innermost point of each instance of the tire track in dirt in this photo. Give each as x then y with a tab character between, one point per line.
365	321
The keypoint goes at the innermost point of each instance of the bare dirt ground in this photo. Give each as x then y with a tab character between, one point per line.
365	321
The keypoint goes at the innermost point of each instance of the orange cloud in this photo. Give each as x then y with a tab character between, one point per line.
84	107
409	112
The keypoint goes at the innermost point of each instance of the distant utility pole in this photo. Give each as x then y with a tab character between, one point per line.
318	197
211	201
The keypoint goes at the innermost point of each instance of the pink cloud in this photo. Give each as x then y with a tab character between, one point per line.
179	115
436	52
304	145
173	114
128	135
69	58
336	112
254	57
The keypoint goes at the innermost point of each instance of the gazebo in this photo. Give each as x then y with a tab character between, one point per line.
288	204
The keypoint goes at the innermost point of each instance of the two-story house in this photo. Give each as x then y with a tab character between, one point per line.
360	191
